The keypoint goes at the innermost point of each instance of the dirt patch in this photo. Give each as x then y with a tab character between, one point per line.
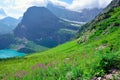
113	75
101	47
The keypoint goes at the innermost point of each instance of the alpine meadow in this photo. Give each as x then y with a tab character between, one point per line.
55	43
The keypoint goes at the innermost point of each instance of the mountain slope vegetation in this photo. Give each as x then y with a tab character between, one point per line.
93	55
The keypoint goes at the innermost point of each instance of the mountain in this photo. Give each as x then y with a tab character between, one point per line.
84	16
10	20
2	13
44	28
20	18
8	24
6	40
95	55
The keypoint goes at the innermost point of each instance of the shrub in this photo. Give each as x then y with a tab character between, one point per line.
110	61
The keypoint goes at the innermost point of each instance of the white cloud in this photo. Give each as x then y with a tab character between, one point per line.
38	2
81	4
60	3
16	8
78	5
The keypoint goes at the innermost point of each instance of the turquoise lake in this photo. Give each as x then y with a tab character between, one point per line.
7	53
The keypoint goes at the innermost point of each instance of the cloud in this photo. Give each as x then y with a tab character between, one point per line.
78	5
81	4
16	8
60	3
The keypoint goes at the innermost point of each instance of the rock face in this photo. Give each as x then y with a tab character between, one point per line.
109	8
113	4
84	16
34	22
42	27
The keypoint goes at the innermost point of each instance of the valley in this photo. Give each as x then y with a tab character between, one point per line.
41	28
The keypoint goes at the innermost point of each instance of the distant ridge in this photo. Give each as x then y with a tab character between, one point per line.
84	16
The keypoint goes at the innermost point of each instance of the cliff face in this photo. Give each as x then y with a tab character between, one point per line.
34	22
42	27
113	4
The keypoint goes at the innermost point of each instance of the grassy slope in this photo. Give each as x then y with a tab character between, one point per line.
98	49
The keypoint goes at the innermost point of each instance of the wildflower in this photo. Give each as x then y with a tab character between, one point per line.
20	74
23	73
17	75
40	65
33	67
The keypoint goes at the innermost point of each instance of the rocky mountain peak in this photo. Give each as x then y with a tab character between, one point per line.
42	27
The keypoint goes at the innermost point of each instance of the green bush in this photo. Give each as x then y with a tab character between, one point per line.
110	61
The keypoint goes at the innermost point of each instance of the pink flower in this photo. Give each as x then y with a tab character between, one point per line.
40	65
17	75
20	74
33	67
23	73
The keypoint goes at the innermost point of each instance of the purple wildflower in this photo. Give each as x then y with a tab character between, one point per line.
40	65
20	74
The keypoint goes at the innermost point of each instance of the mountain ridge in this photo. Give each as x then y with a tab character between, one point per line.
82	16
7	25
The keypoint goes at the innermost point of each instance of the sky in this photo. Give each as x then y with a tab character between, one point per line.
16	8
67	1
